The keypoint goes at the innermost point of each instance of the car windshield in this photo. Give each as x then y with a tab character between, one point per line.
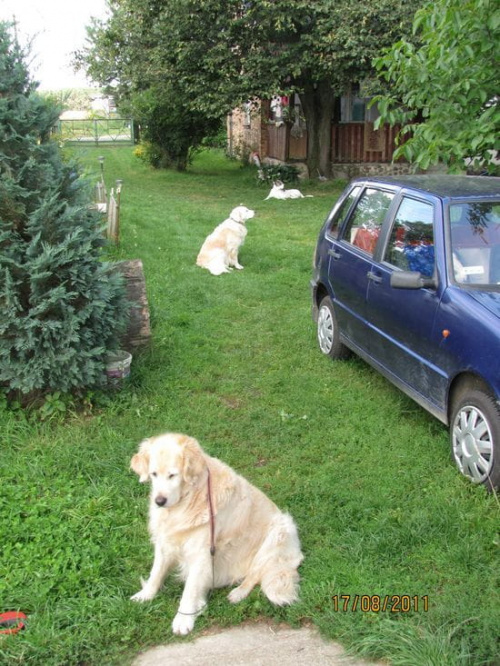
475	242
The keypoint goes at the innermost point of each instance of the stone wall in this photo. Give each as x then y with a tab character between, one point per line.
348	171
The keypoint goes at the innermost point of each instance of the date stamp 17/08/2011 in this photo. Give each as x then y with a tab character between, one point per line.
374	603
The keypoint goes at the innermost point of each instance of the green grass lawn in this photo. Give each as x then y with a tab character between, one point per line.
364	471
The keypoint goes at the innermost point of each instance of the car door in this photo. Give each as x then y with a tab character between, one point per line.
351	261
403	336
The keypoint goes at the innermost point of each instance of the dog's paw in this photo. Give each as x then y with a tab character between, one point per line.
238	266
238	594
143	595
183	624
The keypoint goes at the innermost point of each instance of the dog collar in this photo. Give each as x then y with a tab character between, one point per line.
237	221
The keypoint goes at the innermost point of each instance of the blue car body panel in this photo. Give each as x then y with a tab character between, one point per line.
420	339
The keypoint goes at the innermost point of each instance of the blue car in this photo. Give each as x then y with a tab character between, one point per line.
407	276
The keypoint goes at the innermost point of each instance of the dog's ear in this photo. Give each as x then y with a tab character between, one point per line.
140	461
193	461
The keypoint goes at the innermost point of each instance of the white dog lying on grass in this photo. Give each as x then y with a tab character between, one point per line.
278	192
219	252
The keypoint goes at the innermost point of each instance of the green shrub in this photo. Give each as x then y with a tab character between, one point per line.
287	173
172	132
61	307
148	153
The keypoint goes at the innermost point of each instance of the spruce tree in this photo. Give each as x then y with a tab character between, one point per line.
61	307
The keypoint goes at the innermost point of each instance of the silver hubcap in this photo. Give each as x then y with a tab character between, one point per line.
325	330
473	444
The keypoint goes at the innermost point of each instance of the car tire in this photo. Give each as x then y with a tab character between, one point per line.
328	331
475	437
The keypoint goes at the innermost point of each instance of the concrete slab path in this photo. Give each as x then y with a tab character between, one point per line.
252	645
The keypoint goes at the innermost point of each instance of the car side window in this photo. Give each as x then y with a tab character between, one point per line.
364	225
338	214
411	243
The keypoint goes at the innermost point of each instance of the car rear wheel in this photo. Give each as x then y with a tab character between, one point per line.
475	437
328	331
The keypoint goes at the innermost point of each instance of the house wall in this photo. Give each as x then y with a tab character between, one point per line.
246	132
357	149
277	148
360	142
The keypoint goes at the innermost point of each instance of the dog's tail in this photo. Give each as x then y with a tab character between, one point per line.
279	556
282	588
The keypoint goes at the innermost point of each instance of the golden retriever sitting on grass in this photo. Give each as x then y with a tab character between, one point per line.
215	527
219	252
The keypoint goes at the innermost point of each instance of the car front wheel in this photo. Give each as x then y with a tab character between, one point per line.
328	331
475	437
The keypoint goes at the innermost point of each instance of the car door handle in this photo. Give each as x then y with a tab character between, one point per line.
374	277
333	253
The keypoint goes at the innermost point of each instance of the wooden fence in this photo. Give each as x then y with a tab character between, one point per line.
351	143
359	142
278	142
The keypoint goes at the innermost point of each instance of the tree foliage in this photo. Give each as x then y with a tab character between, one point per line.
61	307
134	56
209	56
450	80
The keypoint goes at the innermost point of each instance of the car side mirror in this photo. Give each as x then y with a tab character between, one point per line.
411	280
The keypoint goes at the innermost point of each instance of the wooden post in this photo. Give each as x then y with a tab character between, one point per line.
118	192
113	230
138	333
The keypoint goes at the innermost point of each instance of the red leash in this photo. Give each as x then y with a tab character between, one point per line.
12	622
211	510
212	537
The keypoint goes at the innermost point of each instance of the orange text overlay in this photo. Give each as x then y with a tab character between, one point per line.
374	603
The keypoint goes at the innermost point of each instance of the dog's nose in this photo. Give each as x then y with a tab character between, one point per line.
160	500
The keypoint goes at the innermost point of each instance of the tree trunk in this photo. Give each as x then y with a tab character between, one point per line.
317	103
138	333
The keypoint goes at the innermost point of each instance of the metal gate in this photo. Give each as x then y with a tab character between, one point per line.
97	131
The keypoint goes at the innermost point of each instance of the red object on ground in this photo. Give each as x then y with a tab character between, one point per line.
12	622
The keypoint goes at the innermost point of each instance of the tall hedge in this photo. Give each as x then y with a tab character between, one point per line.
61	306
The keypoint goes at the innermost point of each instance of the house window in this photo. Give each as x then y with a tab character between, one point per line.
354	107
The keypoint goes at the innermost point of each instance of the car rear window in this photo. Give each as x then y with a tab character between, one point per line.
338	215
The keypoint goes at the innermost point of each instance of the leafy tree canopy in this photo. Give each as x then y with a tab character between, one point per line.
217	54
450	81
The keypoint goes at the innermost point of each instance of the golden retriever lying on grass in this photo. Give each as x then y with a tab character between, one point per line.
199	506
